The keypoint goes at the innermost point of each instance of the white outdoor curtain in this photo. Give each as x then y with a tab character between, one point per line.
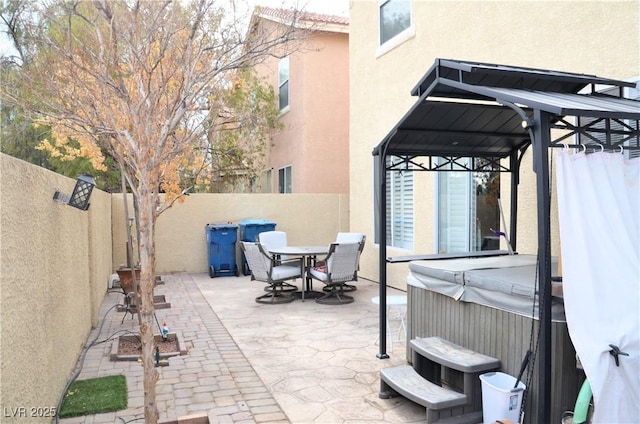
600	235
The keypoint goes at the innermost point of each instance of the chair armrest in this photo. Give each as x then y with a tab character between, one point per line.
291	262
294	262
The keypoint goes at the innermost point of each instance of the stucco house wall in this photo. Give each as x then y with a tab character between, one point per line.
54	263
314	140
591	37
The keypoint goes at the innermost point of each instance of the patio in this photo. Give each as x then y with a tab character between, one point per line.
300	362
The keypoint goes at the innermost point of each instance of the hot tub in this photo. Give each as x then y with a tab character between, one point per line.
490	305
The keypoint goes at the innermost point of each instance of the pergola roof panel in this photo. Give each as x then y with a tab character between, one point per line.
473	109
451	128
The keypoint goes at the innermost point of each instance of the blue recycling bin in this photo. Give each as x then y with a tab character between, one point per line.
249	230
221	249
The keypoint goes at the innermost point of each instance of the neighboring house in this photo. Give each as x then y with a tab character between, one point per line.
392	45
311	153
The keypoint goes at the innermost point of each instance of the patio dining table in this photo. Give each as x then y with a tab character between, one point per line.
308	255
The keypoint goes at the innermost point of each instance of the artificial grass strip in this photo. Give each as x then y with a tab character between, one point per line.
95	396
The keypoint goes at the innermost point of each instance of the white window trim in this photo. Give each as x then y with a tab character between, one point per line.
287	81
283	111
399	39
467	201
290	177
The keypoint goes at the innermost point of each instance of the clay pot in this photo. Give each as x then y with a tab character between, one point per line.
126	282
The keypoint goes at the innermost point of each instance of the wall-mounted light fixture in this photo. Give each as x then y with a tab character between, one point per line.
81	193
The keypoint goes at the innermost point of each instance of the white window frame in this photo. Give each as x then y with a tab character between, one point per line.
454	245
283	80
464	231
285	179
398	39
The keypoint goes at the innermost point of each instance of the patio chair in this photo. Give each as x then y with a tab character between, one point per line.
341	266
350	238
264	269
272	239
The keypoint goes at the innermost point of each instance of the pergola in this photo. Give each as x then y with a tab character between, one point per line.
491	114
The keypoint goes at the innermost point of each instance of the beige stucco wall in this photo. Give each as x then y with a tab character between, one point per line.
315	138
180	231
55	261
600	38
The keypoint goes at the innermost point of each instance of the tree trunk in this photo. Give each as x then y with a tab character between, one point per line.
147	202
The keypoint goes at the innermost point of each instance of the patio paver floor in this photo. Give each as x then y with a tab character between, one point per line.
300	362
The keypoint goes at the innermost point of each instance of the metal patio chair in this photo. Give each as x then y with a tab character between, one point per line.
340	266
264	269
350	238
273	239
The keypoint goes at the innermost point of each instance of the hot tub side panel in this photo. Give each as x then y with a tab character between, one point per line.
496	333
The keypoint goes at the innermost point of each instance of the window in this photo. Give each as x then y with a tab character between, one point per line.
284	180
283	82
467	210
399	207
395	17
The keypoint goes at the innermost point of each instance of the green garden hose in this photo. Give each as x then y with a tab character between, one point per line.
581	410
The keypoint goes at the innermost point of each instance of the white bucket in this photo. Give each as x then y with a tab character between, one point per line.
500	400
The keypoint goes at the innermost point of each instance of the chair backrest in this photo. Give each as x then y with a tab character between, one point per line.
350	238
342	261
258	261
271	239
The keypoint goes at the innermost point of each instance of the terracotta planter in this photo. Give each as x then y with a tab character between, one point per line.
126	282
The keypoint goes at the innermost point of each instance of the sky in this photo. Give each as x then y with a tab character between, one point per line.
5	45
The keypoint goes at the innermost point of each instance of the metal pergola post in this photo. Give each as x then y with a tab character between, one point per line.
541	142
382	226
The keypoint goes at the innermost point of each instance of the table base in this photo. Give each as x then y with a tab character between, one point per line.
308	294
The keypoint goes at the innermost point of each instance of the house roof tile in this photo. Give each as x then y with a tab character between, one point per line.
287	15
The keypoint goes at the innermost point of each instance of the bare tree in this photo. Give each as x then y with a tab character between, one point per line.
137	78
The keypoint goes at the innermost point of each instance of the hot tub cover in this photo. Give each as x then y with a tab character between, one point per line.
503	282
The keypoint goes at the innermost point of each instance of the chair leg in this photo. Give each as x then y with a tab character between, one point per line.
347	288
285	288
335	297
275	295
